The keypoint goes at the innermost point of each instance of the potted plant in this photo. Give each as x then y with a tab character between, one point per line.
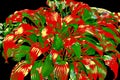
68	40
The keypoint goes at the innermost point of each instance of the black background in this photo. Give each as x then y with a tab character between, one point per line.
7	7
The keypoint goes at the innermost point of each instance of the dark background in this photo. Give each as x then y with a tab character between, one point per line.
8	7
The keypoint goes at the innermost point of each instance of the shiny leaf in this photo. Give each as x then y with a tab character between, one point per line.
111	61
77	49
109	30
47	66
72	73
64	30
20	71
90	51
36	69
87	15
19	53
33	37
93	44
75	26
58	43
25	14
89	18
42	19
102	70
41	40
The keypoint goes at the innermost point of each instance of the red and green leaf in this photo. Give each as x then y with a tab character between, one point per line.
72	72
36	70
111	61
61	70
65	36
20	70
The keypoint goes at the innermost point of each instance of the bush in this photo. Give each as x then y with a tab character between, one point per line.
68	40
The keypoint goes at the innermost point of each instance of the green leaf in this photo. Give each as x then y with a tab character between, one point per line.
42	19
10	52
64	30
33	37
37	21
82	67
61	62
41	40
21	52
91	22
8	28
19	56
27	59
7	31
102	70
66	12
110	40
85	45
58	43
107	57
34	73
90	51
29	19
18	53
49	78
25	14
93	41
59	6
72	73
58	59
47	66
109	30
24	48
77	49
75	26
89	17
118	39
87	34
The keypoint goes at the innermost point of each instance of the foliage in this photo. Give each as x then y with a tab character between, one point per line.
69	40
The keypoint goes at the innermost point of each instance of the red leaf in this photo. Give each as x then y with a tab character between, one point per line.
30	12
68	1
75	67
52	18
83	76
54	54
35	52
94	47
16	17
61	71
24	29
47	31
112	63
20	70
8	42
69	42
109	25
79	7
107	34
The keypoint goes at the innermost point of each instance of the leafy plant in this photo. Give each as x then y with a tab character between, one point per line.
69	40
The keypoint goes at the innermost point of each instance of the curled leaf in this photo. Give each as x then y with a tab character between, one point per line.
20	70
